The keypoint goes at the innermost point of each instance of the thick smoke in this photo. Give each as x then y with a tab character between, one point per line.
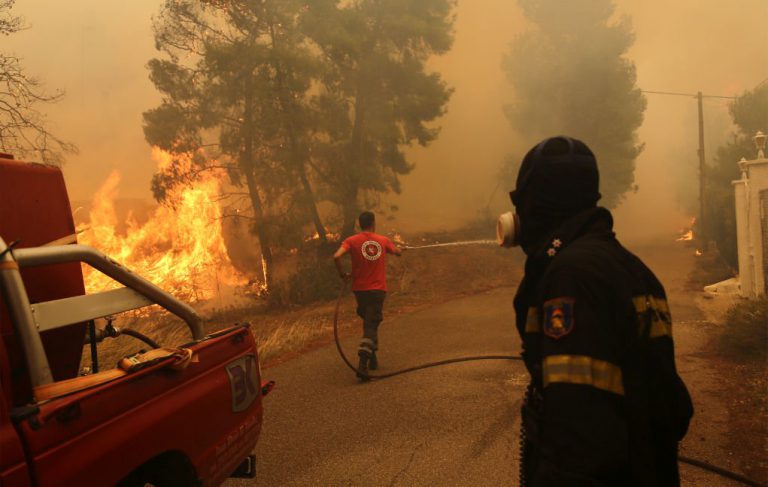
97	52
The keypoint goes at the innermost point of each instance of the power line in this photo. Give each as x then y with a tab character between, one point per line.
691	95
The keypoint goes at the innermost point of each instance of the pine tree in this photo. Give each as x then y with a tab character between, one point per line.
234	82
377	94
570	77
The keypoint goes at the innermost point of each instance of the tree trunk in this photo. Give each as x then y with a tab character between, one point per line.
261	231
248	166
351	212
355	159
288	111
321	232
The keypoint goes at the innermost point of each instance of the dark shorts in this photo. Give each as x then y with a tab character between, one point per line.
370	304
369	307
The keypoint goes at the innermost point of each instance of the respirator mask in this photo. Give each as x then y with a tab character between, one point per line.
508	230
556	179
508	226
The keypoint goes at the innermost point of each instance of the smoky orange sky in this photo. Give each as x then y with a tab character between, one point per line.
97	51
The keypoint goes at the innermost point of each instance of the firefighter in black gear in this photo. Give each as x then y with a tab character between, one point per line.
605	405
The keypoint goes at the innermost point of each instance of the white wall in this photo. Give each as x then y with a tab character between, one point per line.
749	223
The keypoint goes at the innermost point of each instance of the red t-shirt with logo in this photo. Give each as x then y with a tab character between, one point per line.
369	264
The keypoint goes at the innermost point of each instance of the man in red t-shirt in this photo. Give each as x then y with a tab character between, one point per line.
368	251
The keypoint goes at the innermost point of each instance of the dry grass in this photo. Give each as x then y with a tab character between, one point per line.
153	322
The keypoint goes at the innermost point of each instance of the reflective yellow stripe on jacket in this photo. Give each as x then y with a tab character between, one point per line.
532	321
581	369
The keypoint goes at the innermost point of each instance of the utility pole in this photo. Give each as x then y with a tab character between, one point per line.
702	160
702	175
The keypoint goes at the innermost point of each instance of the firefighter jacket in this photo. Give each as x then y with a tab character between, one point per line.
605	404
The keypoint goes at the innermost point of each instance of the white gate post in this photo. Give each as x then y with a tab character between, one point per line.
741	195
751	222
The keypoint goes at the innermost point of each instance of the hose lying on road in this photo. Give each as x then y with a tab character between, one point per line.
409	369
720	471
690	461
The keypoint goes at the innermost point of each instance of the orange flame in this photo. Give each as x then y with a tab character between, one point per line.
331	237
182	250
687	234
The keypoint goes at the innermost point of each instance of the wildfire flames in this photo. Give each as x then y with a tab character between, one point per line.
180	249
687	234
331	237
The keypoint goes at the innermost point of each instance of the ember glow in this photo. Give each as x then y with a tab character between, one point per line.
180	249
331	237
687	234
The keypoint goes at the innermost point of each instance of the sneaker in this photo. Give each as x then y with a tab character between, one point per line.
373	363
362	367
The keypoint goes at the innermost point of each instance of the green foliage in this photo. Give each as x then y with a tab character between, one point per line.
570	77
300	101
235	83
750	110
746	336
377	93
316	277
750	114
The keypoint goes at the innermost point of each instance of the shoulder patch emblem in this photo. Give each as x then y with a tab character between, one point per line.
558	317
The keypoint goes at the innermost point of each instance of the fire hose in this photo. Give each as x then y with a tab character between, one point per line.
409	369
373	377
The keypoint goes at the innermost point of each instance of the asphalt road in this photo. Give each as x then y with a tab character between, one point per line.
456	424
452	425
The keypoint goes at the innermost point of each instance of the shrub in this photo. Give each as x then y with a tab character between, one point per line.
746	336
316	277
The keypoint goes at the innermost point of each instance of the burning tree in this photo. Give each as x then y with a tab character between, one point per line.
300	101
570	77
180	247
23	128
234	87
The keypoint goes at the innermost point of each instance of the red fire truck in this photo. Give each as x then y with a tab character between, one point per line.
187	415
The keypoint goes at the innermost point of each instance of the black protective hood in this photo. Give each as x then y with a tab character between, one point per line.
558	179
